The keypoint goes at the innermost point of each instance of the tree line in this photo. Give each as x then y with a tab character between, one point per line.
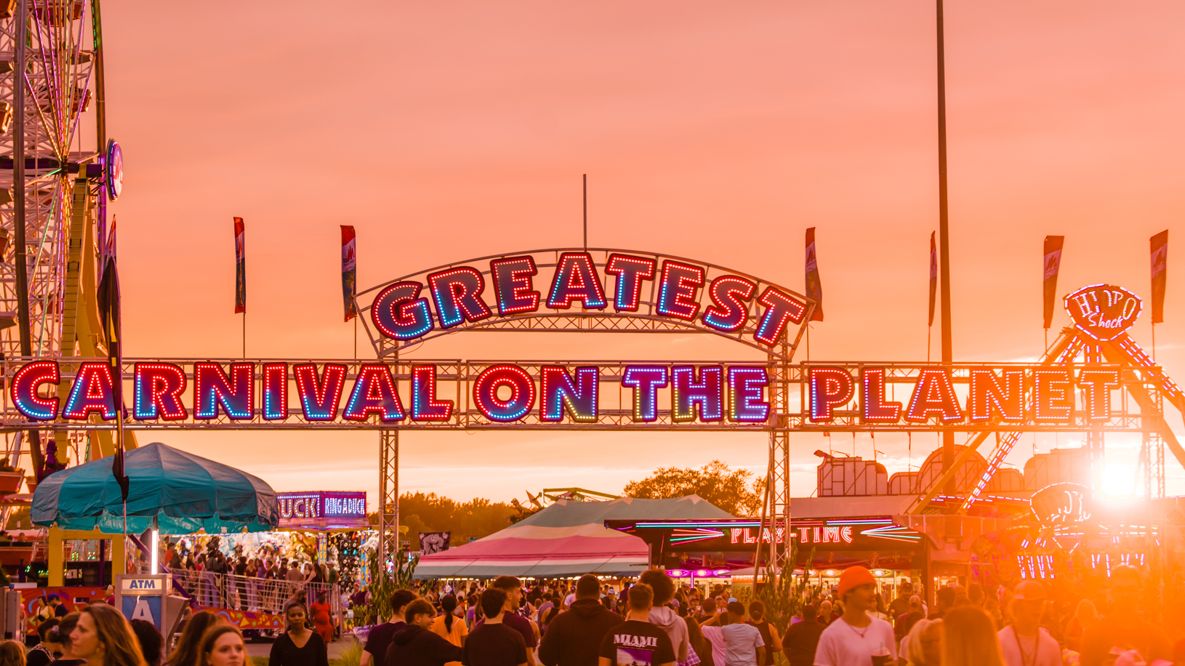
737	491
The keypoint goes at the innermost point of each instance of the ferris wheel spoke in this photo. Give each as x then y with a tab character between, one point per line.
58	71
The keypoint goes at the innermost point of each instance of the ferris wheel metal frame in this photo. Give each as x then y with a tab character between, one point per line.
54	188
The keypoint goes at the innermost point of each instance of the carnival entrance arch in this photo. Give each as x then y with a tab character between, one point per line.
641	297
1093	379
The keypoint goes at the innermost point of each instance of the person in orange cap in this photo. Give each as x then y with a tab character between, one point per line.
857	637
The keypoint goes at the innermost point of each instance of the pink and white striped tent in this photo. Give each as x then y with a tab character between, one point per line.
568	538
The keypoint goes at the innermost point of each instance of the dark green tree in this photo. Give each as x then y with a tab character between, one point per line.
737	491
429	512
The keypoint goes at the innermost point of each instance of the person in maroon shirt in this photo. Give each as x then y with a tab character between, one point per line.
513	589
416	645
379	639
574	637
493	643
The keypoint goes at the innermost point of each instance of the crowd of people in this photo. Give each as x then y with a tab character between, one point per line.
264	563
658	623
98	635
256	581
654	622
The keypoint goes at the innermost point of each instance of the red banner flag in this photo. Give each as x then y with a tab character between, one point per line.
1160	264
814	286
933	277
1053	262
240	266
349	272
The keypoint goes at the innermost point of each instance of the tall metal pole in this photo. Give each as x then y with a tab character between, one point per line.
18	176
24	325
948	436
584	180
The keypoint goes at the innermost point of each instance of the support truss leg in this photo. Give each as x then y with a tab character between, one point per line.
388	546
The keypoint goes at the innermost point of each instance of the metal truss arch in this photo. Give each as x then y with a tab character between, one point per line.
646	319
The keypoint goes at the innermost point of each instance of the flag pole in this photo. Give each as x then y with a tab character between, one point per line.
948	436
244	333
584	181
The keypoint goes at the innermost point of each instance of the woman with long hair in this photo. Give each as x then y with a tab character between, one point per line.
187	651
103	637
222	645
969	638
12	653
1084	618
447	625
299	645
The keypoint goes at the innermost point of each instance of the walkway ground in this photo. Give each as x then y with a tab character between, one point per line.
260	650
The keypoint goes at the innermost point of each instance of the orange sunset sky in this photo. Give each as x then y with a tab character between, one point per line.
718	131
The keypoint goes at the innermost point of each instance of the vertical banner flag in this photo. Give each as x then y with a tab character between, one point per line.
240	267
1160	263
1053	262
933	277
814	286
109	307
349	271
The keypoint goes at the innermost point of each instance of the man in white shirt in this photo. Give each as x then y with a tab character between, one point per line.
857	637
1024	642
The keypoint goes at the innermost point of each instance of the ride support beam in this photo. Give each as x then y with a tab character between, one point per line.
1147	403
1052	357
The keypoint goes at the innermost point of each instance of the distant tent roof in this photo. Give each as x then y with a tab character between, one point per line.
567	538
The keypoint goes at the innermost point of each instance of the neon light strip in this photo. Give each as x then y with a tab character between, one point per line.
699	525
692	539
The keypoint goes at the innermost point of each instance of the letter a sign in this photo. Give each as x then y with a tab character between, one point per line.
142	611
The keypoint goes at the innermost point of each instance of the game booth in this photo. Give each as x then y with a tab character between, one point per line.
320	533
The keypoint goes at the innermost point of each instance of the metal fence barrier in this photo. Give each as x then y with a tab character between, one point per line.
213	590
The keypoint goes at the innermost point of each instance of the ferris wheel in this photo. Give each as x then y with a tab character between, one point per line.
58	170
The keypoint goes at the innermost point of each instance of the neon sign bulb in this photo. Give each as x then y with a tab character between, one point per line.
630	271
158	388
512	285
706	393
93	391
561	393
24	390
374	394
457	294
645	380
493	406
424	404
576	279
275	391
212	389
320	396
